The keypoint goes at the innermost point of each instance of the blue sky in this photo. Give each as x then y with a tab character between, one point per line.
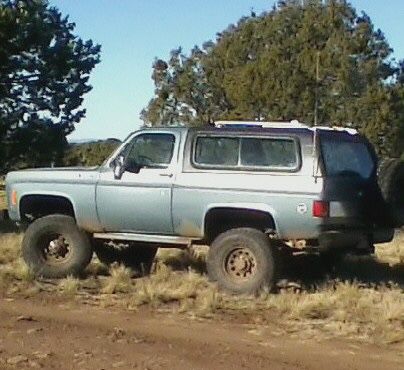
133	32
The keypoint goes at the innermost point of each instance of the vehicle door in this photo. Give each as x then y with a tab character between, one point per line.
140	200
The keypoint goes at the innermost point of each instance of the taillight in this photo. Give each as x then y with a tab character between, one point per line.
321	208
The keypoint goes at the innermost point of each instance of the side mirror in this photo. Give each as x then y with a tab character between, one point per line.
133	167
119	167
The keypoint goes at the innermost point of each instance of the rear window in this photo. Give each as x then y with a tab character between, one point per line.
246	152
346	158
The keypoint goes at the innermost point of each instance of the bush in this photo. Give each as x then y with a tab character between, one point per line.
89	154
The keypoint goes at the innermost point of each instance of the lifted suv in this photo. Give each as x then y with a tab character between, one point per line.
244	188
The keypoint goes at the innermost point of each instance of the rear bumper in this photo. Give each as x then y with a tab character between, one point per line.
357	239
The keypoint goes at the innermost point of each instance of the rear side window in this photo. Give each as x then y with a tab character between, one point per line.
217	151
246	153
268	152
347	158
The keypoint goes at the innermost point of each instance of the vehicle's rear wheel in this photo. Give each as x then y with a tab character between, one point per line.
391	182
137	257
242	261
54	247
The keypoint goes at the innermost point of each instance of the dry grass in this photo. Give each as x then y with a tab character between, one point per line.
392	253
10	247
119	281
371	310
69	286
3	204
12	268
189	291
344	309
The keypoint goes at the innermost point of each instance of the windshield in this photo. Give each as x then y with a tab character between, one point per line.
346	157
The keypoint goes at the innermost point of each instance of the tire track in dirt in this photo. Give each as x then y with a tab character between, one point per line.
75	335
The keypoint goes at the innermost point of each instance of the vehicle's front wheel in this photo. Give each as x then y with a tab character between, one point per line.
54	247
242	261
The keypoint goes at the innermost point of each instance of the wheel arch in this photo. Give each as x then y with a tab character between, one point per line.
34	205
221	217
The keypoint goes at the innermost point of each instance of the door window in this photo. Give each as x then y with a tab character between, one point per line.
151	151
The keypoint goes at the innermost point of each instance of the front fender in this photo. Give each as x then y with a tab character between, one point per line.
81	197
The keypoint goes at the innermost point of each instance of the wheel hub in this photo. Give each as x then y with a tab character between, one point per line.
240	264
57	250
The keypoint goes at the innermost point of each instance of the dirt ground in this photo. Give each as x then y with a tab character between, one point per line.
175	319
44	333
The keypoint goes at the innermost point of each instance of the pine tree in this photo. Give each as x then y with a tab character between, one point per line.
44	73
315	61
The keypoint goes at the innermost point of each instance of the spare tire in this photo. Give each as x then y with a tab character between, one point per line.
391	183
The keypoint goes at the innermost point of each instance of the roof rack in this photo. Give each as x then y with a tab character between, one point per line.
349	130
267	124
280	124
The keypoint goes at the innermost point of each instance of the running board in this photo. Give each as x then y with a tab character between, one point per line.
147	238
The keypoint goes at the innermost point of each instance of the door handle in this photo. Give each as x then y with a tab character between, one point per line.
166	174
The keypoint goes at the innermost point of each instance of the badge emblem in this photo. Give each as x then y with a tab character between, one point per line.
301	208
